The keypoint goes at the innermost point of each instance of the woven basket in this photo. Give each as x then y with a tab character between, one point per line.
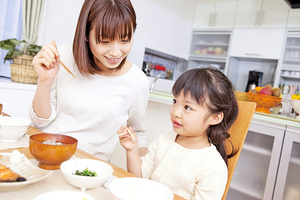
22	70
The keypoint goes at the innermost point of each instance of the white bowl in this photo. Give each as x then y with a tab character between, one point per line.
102	169
12	128
132	188
296	105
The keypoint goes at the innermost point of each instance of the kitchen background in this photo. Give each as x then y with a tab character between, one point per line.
236	36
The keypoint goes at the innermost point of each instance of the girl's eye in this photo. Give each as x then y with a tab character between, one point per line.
187	107
125	41
174	101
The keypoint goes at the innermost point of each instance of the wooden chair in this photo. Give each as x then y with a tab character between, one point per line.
238	133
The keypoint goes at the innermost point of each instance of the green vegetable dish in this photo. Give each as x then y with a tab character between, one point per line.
86	172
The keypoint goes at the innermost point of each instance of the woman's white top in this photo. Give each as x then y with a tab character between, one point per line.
189	173
93	108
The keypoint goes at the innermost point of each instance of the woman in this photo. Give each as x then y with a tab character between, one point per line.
108	90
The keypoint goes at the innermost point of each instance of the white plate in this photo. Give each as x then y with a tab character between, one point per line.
26	169
63	195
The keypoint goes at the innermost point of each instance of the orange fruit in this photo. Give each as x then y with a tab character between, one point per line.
258	88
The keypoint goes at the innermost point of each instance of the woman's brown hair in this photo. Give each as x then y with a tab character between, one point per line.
212	89
111	19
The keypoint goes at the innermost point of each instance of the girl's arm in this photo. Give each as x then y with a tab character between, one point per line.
46	67
129	141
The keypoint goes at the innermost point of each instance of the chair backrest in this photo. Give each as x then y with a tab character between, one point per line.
238	132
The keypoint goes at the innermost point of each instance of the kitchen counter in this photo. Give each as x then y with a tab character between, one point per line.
7	83
166	98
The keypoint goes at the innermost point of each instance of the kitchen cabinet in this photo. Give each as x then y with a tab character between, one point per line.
288	181
209	47
214	14
293	19
255	174
261	14
289	65
257	43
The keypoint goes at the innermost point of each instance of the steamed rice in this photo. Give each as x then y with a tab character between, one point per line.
12	121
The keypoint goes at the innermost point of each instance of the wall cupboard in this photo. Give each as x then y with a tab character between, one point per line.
245	14
215	14
261	14
258	43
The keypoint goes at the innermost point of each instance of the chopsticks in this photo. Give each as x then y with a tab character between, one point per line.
64	66
128	131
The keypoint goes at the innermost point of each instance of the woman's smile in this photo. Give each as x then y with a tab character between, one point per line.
113	60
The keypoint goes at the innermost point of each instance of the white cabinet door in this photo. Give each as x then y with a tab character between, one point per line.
294	19
248	13
261	14
257	43
224	15
288	180
215	14
274	14
204	14
255	174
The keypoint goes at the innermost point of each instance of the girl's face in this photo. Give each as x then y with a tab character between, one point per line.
109	54
189	119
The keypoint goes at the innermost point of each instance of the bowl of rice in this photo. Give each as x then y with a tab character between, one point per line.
133	188
12	128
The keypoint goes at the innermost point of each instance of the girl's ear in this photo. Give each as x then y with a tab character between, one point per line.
216	118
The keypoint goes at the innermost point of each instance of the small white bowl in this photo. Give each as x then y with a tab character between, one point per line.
102	169
12	128
132	188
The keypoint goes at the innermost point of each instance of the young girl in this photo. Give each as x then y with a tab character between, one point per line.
108	90
192	161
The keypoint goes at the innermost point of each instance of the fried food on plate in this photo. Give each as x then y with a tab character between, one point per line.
6	175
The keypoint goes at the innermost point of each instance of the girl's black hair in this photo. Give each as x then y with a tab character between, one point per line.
212	89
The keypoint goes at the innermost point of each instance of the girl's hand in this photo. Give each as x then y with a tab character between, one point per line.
126	140
45	63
